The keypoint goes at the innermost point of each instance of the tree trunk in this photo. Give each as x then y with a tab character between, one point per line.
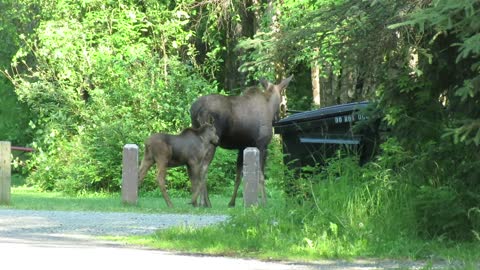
279	66
247	27
315	75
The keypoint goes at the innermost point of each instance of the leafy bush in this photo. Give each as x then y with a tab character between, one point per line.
221	173
14	116
363	204
399	195
448	177
94	89
344	210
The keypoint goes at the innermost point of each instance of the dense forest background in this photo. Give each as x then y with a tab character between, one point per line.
82	78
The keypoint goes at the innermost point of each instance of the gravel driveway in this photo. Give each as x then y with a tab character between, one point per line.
30	225
50	239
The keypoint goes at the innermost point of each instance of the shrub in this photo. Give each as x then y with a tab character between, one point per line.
93	89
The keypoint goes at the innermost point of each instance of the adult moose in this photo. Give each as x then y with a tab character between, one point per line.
189	148
242	121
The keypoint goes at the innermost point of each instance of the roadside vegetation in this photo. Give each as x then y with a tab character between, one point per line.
342	212
346	219
80	79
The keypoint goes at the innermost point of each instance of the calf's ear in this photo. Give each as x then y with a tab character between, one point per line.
211	120
264	83
199	120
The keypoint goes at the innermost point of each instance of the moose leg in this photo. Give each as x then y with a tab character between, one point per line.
238	177
263	158
162	173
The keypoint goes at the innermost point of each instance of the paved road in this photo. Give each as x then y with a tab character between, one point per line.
66	240
21	255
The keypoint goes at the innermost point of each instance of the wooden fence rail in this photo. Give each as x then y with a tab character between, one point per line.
6	149
20	148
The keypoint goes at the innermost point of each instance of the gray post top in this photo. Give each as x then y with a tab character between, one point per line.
130	146
251	149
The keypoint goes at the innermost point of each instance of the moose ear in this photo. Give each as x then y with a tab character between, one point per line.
285	82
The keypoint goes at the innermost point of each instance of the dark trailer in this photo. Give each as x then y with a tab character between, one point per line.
311	137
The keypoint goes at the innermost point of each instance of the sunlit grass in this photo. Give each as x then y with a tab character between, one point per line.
344	218
29	198
271	234
278	231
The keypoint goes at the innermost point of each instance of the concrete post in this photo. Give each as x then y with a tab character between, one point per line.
251	176
5	172
130	174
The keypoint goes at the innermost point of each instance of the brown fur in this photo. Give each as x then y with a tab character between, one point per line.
242	121
188	148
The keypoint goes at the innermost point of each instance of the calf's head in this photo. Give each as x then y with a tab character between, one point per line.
209	133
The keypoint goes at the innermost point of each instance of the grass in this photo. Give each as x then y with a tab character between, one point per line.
278	231
269	234
29	198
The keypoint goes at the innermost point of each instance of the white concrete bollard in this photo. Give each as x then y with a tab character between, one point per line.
130	174
251	176
5	172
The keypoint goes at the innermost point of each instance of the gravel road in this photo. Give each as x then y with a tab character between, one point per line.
31	225
60	239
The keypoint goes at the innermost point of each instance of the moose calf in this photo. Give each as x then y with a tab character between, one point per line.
188	148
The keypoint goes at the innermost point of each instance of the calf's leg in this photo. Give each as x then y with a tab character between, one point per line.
204	199
194	173
205	163
161	174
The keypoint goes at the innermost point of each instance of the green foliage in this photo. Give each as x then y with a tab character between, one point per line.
221	173
415	193
263	47
448	191
449	31
349	211
13	115
441	213
435	116
98	75
364	202
97	83
431	105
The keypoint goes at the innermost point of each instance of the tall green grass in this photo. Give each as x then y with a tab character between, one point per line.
338	211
